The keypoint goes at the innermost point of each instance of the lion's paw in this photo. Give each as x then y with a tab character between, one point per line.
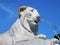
54	40
41	36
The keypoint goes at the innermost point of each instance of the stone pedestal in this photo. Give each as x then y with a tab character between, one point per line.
36	41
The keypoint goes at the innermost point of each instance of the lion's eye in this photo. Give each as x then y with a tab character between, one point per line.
28	15
32	10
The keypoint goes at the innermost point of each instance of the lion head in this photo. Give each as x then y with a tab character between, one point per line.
29	15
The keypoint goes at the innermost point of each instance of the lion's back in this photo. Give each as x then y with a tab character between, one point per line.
5	39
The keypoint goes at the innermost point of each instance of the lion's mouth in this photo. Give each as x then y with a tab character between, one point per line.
36	21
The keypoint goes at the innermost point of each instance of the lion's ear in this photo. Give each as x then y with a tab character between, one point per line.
22	8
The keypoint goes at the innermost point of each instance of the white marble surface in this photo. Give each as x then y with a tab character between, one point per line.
24	30
36	41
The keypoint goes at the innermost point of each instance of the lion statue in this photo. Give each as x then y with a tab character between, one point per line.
25	27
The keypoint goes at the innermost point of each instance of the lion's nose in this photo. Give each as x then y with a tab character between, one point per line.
38	18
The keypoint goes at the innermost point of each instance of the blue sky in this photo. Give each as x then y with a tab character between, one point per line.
48	9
